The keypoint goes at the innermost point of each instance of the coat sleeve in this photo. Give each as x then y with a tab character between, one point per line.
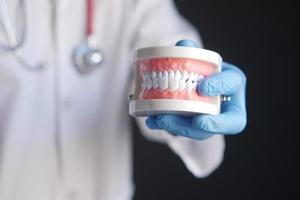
157	22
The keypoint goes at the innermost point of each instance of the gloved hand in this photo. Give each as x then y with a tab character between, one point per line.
231	81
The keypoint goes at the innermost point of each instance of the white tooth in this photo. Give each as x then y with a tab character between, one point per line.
155	83
165	74
171	74
177	75
195	77
200	77
149	84
146	76
153	75
184	76
194	84
191	76
163	83
173	84
160	74
181	85
189	86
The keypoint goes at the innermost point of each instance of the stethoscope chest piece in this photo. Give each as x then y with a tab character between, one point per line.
86	58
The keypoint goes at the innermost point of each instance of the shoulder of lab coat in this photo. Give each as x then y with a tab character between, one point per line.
158	22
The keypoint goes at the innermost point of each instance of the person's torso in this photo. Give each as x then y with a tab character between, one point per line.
64	135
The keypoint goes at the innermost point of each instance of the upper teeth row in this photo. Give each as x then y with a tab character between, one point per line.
172	80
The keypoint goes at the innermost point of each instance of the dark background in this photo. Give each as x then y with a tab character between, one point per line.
263	162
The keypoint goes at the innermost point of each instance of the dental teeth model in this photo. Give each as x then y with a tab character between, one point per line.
166	81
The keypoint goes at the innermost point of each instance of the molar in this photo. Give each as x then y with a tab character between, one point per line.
194	84
200	77
189	86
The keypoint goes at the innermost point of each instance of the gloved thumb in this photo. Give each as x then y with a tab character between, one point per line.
226	82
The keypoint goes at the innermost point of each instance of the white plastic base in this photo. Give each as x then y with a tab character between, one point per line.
148	107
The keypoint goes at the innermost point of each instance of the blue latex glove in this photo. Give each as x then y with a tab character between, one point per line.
233	118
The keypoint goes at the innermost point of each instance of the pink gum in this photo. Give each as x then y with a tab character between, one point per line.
167	94
181	64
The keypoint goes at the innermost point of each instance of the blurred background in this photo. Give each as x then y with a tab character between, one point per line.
263	161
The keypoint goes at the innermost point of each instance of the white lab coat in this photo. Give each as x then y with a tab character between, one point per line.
64	136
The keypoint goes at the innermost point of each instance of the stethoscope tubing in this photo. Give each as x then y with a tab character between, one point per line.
13	43
16	42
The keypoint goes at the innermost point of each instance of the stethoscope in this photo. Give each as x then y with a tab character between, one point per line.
85	56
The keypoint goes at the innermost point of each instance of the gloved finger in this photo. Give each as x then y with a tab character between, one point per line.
226	82
232	119
151	123
186	43
181	125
